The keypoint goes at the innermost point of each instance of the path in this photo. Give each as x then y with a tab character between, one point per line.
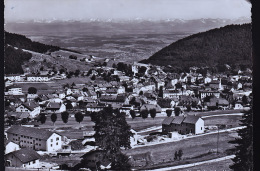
195	164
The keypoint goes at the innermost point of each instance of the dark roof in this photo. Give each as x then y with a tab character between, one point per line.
30	105
167	121
53	106
29	131
191	119
26	155
178	120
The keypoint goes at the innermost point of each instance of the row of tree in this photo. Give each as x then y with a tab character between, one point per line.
64	116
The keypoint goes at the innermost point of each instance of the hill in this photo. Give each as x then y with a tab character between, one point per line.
226	45
15	56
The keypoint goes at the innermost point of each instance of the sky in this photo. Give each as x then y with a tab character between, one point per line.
17	10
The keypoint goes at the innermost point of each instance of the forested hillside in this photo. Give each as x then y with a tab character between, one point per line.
226	45
23	42
14	55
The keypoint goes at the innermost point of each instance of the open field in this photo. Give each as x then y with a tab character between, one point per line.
194	149
216	166
225	120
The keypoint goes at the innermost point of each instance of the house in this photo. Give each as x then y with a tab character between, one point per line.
34	138
93	107
25	158
13	77
119	99
151	106
55	107
171	93
94	158
31	97
8	83
31	107
126	109
206	93
37	78
11	146
216	103
215	84
183	125
14	90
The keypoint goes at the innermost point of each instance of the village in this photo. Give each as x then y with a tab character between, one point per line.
162	108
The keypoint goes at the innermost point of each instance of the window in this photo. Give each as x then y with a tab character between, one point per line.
30	137
40	145
57	139
57	143
30	142
201	128
21	135
36	138
33	161
51	145
51	140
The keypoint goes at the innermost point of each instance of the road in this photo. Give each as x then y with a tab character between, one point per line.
194	164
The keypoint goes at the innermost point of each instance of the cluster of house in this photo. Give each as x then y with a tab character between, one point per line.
155	90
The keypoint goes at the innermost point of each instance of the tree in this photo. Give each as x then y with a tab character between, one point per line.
180	153
121	162
169	112
244	100
65	116
160	94
69	105
141	93
152	113
177	111
79	117
133	114
112	133
77	72
93	77
188	108
144	113
244	145
54	118
42	118
32	90
176	155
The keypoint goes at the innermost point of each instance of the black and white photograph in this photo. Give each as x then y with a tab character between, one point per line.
155	85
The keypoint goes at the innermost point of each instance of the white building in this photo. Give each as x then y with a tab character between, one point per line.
35	138
11	146
31	107
37	78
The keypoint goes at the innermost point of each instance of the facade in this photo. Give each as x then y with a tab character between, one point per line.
204	94
11	146
183	125
25	158
37	78
31	107
13	77
34	138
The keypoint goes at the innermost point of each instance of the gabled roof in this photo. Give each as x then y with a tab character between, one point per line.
30	131
52	105
167	121
30	105
191	119
26	155
178	120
